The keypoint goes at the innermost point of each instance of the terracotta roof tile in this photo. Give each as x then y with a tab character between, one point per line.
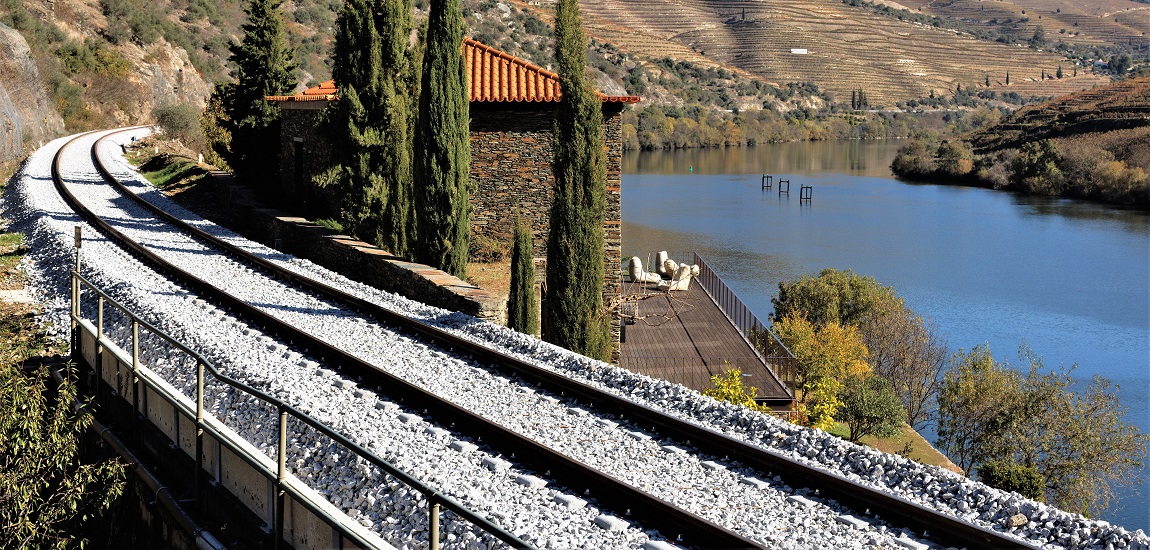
494	77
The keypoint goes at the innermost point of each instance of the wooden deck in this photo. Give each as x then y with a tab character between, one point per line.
685	338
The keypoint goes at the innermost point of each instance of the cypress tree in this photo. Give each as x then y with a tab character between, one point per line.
355	69
395	98
574	317
522	313
264	67
443	157
369	123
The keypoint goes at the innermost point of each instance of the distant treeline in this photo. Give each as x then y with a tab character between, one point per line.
671	127
1083	166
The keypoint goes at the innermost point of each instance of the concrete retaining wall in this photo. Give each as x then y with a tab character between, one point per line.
247	480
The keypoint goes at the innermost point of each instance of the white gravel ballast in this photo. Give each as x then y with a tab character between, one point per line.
524	502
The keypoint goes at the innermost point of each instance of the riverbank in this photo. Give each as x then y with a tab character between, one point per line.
1081	167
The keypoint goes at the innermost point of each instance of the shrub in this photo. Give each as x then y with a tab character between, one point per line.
912	160
871	407
180	121
1010	476
954	158
484	248
729	387
1035	169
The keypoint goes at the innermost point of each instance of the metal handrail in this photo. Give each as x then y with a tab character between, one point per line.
435	499
760	336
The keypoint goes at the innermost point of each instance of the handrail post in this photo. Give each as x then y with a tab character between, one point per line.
200	501
75	324
433	520
99	333
281	474
136	377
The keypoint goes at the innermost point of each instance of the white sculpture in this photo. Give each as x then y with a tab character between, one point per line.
637	273
660	261
682	278
669	268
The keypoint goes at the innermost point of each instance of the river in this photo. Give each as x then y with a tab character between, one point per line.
1069	279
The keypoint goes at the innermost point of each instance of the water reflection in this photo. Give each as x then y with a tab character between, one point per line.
846	157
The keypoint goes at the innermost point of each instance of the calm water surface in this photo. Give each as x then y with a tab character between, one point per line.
1071	280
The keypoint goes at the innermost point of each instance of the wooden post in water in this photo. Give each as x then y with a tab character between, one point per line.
787	190
767	181
805	192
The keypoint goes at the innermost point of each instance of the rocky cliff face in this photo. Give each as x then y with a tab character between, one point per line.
26	115
163	74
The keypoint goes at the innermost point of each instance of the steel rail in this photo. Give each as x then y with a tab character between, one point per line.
935	525
613	493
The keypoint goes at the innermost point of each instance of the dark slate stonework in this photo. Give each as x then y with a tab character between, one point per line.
303	154
511	153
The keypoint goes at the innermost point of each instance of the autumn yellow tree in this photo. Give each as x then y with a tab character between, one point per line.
827	355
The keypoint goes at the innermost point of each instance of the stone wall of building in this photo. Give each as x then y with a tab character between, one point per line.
511	156
304	152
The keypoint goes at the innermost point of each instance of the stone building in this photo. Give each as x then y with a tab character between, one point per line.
512	105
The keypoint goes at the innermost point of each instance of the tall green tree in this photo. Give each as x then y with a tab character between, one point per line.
442	160
574	316
264	66
833	296
369	124
522	311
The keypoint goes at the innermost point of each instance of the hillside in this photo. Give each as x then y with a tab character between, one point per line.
1092	145
109	62
1095	23
1119	106
847	48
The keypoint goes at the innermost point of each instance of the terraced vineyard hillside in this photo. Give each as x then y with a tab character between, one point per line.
846	48
1120	106
1094	22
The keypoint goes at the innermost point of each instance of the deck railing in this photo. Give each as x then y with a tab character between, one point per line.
778	358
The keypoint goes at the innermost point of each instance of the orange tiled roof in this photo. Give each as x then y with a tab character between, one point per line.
494	77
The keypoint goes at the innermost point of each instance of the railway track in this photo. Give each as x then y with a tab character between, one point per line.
615	413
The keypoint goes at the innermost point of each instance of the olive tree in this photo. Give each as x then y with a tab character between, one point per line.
871	407
1078	441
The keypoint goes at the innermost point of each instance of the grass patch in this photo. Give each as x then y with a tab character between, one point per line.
10	241
165	171
20	338
11	251
492	277
908	443
331	224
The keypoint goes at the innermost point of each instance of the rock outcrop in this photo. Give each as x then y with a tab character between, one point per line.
26	115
